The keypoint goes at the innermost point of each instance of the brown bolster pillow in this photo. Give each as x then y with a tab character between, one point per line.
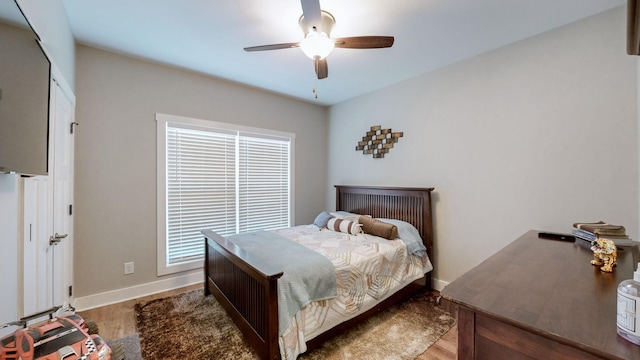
378	228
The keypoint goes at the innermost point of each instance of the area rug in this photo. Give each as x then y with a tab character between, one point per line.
131	345
193	326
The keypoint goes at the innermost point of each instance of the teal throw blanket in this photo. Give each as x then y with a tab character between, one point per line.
308	276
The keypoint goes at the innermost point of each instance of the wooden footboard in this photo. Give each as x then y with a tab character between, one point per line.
247	289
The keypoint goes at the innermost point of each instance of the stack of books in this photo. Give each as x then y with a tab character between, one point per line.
590	231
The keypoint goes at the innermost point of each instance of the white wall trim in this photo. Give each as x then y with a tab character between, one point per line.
638	120
115	296
439	284
58	77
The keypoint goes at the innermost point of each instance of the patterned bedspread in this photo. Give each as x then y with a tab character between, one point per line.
368	270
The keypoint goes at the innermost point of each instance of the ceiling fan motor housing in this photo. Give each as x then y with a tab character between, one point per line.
327	21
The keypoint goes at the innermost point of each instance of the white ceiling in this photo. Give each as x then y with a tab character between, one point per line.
208	36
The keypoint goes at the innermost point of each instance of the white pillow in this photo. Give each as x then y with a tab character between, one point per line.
345	216
410	235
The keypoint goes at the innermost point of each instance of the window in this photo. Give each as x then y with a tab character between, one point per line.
222	177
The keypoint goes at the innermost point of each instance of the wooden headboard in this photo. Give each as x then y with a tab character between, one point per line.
412	205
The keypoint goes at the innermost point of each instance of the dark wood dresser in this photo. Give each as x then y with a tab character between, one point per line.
541	299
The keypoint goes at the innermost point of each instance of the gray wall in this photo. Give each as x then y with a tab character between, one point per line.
115	168
49	20
536	135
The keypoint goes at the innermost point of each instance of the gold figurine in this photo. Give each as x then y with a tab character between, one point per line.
605	253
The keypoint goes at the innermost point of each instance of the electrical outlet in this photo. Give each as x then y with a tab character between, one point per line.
128	268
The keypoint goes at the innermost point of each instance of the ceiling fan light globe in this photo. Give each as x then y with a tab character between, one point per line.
317	45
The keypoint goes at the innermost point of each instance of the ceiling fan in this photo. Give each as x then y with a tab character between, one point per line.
317	43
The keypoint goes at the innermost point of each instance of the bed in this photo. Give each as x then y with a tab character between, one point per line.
246	286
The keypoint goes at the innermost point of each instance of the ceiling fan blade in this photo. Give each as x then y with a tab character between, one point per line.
364	42
321	68
272	47
312	14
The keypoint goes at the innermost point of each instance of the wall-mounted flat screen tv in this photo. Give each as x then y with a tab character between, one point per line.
25	73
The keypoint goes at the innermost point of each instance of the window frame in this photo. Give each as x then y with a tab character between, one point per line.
164	120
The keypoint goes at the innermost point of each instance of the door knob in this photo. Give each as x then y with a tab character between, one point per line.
55	239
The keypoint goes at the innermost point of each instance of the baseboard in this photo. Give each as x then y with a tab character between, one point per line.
439	284
115	296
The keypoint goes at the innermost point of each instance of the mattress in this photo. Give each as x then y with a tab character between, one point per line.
369	269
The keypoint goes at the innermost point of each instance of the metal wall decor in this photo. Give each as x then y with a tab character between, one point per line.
378	141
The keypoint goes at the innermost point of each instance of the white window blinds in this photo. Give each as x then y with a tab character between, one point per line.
201	184
229	181
263	191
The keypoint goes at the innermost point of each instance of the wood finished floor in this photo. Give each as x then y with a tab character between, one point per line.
118	320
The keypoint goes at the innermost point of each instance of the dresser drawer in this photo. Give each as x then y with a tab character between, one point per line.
497	340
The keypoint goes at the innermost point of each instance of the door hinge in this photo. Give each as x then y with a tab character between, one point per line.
70	209
70	290
73	123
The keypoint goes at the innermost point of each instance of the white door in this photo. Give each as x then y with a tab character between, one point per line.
47	222
62	197
37	254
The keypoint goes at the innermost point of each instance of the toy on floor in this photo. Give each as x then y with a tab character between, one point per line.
605	254
67	337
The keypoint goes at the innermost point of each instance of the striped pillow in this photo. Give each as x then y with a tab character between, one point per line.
345	226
